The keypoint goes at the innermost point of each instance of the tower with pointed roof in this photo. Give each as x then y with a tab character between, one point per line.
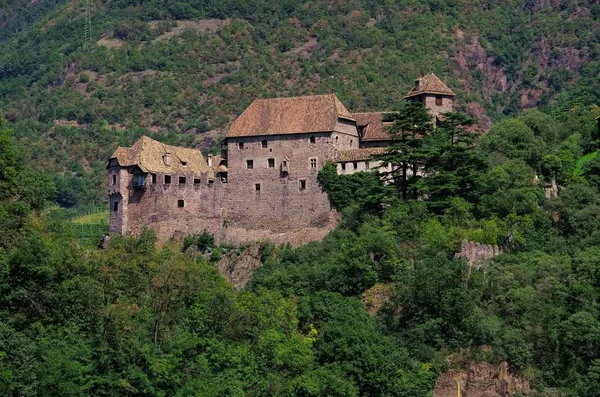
433	93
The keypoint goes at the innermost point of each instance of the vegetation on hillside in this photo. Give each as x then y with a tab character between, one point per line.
192	66
137	319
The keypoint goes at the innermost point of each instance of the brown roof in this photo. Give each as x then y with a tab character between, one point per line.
358	154
296	115
148	154
429	84
373	126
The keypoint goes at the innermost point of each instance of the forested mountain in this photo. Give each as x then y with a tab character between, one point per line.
191	67
383	305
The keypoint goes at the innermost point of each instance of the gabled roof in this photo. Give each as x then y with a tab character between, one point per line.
373	127
296	115
358	154
429	84
147	154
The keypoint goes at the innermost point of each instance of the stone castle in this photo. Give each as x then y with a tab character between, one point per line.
263	185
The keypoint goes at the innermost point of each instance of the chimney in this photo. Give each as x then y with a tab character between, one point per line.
167	158
209	160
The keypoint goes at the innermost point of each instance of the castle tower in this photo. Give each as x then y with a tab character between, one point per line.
433	93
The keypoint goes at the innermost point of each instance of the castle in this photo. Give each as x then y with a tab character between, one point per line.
263	185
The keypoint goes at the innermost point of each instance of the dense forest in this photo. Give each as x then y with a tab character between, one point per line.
135	318
138	319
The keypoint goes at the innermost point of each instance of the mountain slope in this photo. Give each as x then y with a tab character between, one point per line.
191	67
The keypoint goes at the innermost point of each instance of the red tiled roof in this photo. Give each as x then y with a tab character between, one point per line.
296	115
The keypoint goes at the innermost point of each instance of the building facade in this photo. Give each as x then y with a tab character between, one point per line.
263	185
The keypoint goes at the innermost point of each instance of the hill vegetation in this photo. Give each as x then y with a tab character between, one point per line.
190	67
138	319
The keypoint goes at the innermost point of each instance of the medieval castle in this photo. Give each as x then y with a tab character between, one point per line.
264	183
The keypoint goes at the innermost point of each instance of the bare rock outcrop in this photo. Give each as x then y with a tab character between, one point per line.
237	266
477	254
482	380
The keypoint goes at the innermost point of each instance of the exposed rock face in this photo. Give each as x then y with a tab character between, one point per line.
482	380
477	254
237	268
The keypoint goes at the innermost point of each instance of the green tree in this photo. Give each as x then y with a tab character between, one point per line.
412	122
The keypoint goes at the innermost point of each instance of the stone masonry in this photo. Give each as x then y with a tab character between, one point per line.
264	185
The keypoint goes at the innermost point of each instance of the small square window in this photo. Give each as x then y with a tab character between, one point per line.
438	100
302	184
180	204
167	179
271	163
257	187
343	166
312	139
196	181
355	164
264	143
114	179
115	206
250	164
313	164
241	145
153	178
182	180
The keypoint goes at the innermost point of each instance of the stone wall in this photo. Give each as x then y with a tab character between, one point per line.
447	104
266	201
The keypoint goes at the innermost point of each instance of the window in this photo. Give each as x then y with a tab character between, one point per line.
115	206
182	180
343	166
438	100
367	164
180	204
312	139
167	179
153	178
264	143
302	184
196	181
114	179
184	163
271	163
313	164
355	164
351	142
241	145
336	139
138	181
257	187
249	164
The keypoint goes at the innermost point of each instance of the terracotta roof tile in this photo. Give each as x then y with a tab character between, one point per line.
296	115
373	127
429	84
148	154
358	154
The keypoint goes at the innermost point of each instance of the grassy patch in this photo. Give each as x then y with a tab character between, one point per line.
582	161
98	218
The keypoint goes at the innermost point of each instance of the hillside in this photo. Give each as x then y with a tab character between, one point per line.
190	68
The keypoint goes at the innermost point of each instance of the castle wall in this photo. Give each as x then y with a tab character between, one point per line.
446	106
283	205
176	209
118	183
